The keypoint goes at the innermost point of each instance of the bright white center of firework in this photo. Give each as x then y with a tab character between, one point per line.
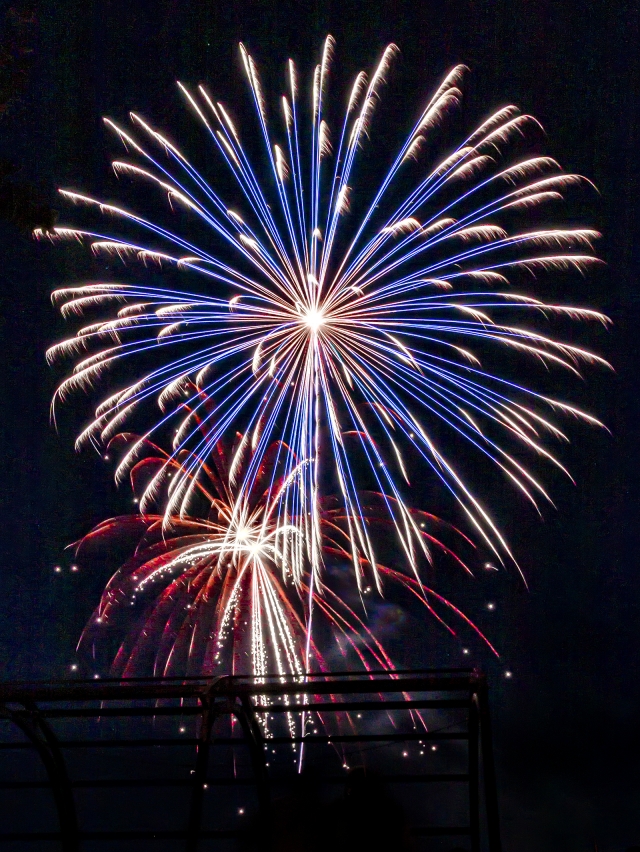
248	540
314	319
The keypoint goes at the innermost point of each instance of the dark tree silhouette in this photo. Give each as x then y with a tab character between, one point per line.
17	47
21	203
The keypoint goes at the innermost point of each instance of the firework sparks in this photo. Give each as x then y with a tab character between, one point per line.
224	589
347	322
217	589
213	584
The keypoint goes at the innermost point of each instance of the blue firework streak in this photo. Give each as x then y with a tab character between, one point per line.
337	337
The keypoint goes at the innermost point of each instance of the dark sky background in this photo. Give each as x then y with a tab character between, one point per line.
567	723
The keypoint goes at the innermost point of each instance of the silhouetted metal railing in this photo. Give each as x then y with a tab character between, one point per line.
227	747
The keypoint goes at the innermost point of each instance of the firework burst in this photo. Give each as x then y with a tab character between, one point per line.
228	589
342	321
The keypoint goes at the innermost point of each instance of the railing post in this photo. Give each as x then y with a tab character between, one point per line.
474	771
489	771
207	719
255	743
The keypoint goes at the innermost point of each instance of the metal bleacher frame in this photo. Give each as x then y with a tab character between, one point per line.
32	708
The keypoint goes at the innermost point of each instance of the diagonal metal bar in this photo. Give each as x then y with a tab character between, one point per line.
35	728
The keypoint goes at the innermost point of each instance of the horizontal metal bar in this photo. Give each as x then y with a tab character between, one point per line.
333	707
170	741
29	836
121	691
127	782
368	738
427	778
440	831
385	672
226	782
421	831
327	707
119	835
238	741
127	690
413	684
345	706
241	678
104	712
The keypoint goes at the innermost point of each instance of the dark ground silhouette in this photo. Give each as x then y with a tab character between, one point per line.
363	817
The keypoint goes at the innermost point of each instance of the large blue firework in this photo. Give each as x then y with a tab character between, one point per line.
346	320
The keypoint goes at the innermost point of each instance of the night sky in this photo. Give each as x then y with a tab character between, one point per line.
566	723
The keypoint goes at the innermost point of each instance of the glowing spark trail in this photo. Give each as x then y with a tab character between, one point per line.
353	325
